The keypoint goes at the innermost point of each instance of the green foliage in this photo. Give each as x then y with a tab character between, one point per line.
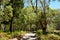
4	2
7	13
26	19
57	18
1	13
39	32
4	38
27	16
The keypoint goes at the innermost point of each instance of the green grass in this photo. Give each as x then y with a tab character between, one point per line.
7	35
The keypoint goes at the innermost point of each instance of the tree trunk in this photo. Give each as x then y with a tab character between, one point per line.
14	6
44	18
11	22
36	7
32	4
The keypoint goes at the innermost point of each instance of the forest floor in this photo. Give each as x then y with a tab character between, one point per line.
18	35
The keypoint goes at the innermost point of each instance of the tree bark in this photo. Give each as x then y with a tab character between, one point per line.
14	6
11	22
44	18
36	7
32	4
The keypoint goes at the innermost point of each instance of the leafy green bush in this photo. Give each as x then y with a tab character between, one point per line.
53	37
39	32
4	38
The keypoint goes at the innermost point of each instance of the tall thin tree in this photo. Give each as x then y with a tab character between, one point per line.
15	4
36	7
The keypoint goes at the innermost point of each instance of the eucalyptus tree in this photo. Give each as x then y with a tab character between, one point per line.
10	15
17	5
43	3
2	13
45	10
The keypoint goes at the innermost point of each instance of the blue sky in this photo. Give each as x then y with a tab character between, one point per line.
53	4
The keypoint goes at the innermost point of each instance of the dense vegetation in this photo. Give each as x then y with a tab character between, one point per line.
16	18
